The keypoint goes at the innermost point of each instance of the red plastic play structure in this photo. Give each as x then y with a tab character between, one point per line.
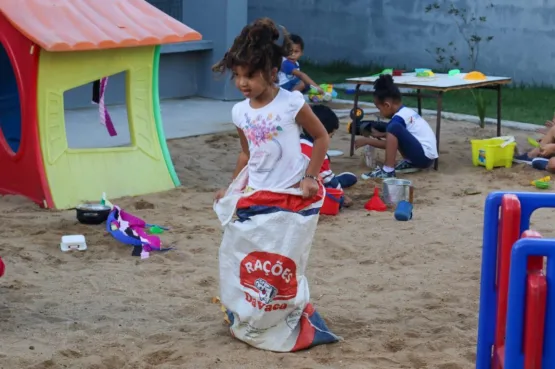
20	161
536	290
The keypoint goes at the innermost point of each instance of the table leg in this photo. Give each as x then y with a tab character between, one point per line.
353	124
419	100
498	110
438	124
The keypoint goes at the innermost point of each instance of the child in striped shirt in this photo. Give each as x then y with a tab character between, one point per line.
328	178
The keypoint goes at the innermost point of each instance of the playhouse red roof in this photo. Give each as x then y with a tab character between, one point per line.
75	25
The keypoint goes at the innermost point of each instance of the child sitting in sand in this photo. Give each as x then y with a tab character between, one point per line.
329	179
406	132
290	76
542	157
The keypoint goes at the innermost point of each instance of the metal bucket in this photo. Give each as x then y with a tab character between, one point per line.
395	190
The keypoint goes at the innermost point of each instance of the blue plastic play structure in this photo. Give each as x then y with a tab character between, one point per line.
511	355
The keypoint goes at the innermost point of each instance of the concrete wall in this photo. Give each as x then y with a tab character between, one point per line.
397	32
185	68
219	21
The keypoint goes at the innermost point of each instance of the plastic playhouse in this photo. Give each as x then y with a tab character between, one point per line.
516	324
51	46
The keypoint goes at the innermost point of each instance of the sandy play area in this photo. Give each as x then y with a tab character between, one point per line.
402	295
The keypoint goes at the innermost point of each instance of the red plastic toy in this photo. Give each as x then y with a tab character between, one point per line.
375	203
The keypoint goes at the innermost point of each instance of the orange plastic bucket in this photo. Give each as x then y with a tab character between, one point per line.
332	202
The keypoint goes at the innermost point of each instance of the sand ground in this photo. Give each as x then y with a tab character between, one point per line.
403	295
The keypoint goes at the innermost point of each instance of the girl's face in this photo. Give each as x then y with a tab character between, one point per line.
252	85
386	108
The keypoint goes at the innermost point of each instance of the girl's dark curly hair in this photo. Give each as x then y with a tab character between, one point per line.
385	88
256	48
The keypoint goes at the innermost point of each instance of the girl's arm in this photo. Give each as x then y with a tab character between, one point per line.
244	155
363	141
308	120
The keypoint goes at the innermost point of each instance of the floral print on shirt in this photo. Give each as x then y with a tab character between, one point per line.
262	129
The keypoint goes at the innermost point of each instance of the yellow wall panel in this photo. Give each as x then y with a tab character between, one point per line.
77	175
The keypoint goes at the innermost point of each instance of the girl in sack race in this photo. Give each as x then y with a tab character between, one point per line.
276	197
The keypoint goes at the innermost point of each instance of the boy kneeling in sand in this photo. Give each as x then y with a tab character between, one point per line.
406	132
331	122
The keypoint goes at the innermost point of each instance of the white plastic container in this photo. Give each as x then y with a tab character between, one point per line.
73	242
369	156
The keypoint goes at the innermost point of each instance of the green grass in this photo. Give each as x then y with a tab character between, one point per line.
531	104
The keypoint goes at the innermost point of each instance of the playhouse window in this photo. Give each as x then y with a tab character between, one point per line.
85	128
10	107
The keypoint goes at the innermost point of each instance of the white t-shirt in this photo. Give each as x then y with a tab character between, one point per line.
421	130
274	140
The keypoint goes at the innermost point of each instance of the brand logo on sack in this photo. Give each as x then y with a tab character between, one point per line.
272	276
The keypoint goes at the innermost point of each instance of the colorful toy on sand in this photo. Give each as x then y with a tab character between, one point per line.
516	329
542	183
533	143
41	59
316	97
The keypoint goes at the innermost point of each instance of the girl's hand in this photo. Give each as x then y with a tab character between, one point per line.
320	90
360	142
309	186
219	194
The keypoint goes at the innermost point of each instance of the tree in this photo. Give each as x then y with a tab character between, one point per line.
467	23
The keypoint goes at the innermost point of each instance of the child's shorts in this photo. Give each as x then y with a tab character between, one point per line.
409	146
289	86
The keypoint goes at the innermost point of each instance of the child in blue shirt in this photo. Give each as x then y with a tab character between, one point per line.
290	76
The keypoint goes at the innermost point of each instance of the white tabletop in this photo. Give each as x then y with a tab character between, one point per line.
438	81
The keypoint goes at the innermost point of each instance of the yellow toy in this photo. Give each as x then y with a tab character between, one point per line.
475	76
316	97
542	183
426	73
493	152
